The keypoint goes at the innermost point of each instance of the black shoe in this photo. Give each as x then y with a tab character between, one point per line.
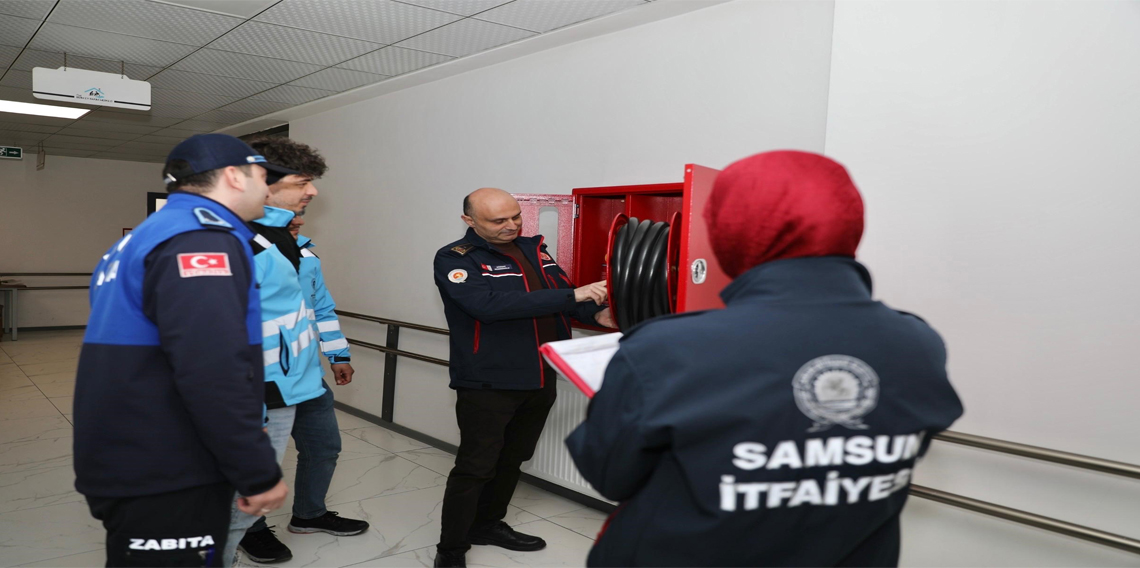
502	535
450	560
330	522
263	547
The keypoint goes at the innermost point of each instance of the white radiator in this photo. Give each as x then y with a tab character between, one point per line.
551	460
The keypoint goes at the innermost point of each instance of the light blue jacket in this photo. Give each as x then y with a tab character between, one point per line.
293	372
333	343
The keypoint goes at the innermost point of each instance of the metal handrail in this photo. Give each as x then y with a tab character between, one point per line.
984	507
26	288
1026	518
3	274
1044	454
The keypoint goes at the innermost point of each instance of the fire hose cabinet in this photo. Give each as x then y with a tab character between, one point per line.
650	243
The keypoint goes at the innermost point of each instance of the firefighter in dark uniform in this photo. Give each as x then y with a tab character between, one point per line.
782	430
169	393
503	296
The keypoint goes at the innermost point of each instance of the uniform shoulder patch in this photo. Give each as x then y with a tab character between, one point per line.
195	264
210	219
462	249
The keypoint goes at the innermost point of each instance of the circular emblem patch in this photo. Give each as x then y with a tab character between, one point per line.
457	276
836	389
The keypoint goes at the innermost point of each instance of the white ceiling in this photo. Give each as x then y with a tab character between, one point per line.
215	63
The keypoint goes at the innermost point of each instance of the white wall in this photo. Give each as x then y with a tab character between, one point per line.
62	219
996	145
994	142
631	107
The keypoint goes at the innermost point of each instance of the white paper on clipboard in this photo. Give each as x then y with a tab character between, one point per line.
582	361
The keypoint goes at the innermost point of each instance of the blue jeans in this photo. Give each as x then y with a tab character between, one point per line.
317	436
279	425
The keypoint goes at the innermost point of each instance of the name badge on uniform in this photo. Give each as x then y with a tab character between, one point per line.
195	264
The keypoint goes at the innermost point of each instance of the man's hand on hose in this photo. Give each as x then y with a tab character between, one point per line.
595	292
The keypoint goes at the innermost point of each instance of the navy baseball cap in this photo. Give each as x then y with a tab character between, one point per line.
205	152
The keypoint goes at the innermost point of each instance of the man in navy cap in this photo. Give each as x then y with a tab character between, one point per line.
169	395
782	430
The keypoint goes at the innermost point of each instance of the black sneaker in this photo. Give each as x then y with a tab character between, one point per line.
263	547
330	522
501	534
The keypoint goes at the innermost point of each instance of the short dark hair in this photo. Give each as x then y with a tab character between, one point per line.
291	154
467	205
193	183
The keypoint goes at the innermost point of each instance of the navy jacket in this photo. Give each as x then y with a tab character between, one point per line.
490	310
169	393
780	431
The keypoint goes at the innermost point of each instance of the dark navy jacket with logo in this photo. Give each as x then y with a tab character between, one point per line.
170	392
490	310
780	431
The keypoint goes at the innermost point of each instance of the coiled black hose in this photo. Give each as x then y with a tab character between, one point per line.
640	272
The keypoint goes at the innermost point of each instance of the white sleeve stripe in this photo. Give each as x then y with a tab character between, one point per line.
327	326
335	345
271	356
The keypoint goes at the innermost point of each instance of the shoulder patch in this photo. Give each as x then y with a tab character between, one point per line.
462	249
210	219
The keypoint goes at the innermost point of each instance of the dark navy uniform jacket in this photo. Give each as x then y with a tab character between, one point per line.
490	310
780	431
170	391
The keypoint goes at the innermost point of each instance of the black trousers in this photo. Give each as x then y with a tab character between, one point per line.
499	430
181	528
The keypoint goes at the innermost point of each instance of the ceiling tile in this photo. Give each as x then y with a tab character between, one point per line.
240	8
394	61
69	153
382	21
17	31
106	45
145	19
164	97
171	140
242	66
546	15
21	139
150	148
268	40
200	125
209	84
175	111
338	79
127	157
18	79
77	143
293	94
8	54
97	133
256	106
225	116
53	60
35	9
465	37
138	121
28	127
176	133
461	7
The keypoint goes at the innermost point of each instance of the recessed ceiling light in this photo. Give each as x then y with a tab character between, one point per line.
42	110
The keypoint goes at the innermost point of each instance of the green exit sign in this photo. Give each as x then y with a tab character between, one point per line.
11	153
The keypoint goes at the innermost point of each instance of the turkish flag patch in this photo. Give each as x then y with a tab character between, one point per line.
204	264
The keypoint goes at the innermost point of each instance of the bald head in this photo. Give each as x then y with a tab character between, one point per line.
493	214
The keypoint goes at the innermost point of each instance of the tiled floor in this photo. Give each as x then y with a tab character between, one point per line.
394	482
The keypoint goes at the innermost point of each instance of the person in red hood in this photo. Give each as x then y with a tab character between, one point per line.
784	429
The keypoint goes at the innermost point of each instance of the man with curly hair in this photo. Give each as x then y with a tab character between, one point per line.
314	429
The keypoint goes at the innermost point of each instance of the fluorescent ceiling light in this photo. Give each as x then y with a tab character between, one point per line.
42	110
